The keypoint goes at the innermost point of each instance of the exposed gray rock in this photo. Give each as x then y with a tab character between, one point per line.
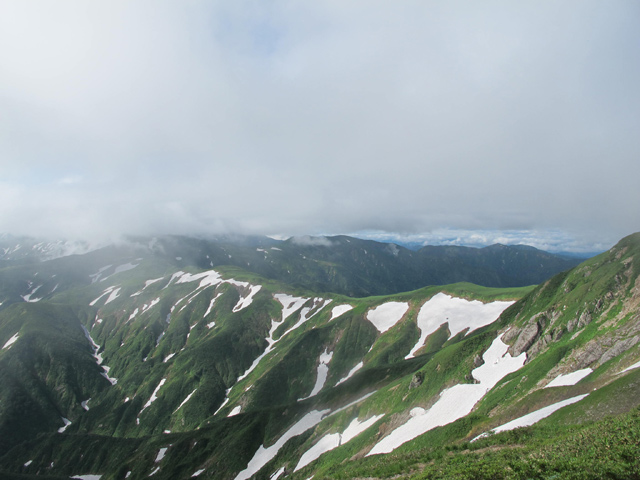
619	347
527	336
416	381
477	361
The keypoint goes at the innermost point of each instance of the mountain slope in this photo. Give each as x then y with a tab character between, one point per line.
225	374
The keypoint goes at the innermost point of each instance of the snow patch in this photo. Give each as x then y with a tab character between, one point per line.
28	463
457	401
198	472
87	477
246	301
387	315
289	304
533	417
631	367
153	396
213	300
340	310
113	296
569	378
321	377
457	312
168	357
11	341
236	411
351	373
161	454
98	357
27	297
66	422
85	404
185	400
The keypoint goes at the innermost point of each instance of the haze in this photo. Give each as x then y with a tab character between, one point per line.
286	118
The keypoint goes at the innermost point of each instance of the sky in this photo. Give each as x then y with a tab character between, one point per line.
419	119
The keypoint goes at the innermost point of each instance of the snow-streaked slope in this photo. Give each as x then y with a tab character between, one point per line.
457	401
289	304
534	417
334	440
457	312
385	316
264	455
98	357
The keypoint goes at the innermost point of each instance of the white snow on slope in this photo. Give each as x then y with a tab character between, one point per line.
318	305
340	310
85	404
334	440
457	401
277	474
105	292
569	378
185	401
533	417
631	367
98	356
27	297
146	284
387	315
457	312
321	377
351	373
28	463
236	411
213	300
67	422
265	455
161	453
96	276
197	473
113	296
270	343
121	268
11	341
212	278
87	477
244	302
289	304
133	315
153	396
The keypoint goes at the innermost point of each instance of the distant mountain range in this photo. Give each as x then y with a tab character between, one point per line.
178	358
339	264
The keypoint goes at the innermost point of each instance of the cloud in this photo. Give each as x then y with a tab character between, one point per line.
308	241
319	117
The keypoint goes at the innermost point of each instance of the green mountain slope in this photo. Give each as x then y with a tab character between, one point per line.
170	370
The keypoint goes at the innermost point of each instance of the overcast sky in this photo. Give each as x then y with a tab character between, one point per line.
323	117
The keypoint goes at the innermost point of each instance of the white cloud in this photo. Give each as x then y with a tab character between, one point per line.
315	117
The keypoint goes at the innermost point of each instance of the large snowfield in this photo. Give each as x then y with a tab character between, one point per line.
458	313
